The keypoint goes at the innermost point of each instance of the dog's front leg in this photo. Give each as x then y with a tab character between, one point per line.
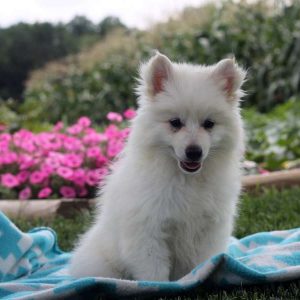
147	258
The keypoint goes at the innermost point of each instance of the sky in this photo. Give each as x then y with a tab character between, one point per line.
134	13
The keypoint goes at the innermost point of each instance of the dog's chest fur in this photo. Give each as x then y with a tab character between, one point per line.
185	214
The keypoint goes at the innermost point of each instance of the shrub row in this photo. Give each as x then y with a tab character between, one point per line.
265	39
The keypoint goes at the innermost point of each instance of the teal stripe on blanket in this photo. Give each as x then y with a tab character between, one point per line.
33	267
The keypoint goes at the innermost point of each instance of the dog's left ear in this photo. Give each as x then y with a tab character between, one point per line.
229	76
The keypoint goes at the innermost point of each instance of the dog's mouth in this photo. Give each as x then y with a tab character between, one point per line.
190	166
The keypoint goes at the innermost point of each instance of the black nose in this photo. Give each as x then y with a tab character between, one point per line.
193	152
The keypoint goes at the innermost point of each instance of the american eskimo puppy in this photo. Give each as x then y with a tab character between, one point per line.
170	201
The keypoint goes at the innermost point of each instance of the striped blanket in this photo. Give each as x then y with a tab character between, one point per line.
33	267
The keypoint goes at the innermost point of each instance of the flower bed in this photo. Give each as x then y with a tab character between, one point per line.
66	162
70	162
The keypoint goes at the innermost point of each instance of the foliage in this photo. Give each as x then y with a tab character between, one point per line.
68	162
91	93
107	24
8	114
26	47
265	39
80	25
274	138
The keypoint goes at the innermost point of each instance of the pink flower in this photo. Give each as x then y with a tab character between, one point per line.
25	193
3	147
112	132
54	145
44	193
49	141
9	180
72	143
78	177
75	129
114	148
54	159
5	137
93	152
94	138
47	169
82	191
84	122
129	113
72	160
114	117
22	137
65	172
58	126
67	192
125	132
25	161
101	161
37	177
9	158
23	176
28	146
92	177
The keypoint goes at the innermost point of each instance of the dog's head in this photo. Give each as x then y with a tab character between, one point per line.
190	111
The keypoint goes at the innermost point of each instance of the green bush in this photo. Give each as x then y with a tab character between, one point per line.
274	137
90	93
264	39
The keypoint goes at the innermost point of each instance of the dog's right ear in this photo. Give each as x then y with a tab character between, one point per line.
156	73
229	76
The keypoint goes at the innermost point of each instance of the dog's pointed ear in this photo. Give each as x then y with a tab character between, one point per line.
229	76
156	73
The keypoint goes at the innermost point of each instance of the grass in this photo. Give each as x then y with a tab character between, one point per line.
67	229
265	211
269	210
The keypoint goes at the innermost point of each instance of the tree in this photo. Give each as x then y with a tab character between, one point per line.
108	24
81	25
24	47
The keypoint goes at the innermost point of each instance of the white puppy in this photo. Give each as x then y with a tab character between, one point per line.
170	201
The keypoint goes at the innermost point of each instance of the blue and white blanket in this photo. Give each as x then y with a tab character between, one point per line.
33	267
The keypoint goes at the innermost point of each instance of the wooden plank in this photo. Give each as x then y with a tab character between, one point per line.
279	179
30	208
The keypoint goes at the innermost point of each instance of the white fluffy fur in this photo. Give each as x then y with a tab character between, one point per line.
155	221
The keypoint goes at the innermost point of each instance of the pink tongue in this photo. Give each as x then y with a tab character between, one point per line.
191	165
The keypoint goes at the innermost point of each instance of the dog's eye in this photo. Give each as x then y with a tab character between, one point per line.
208	124
176	123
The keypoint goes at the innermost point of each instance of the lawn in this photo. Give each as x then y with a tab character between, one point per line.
265	211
